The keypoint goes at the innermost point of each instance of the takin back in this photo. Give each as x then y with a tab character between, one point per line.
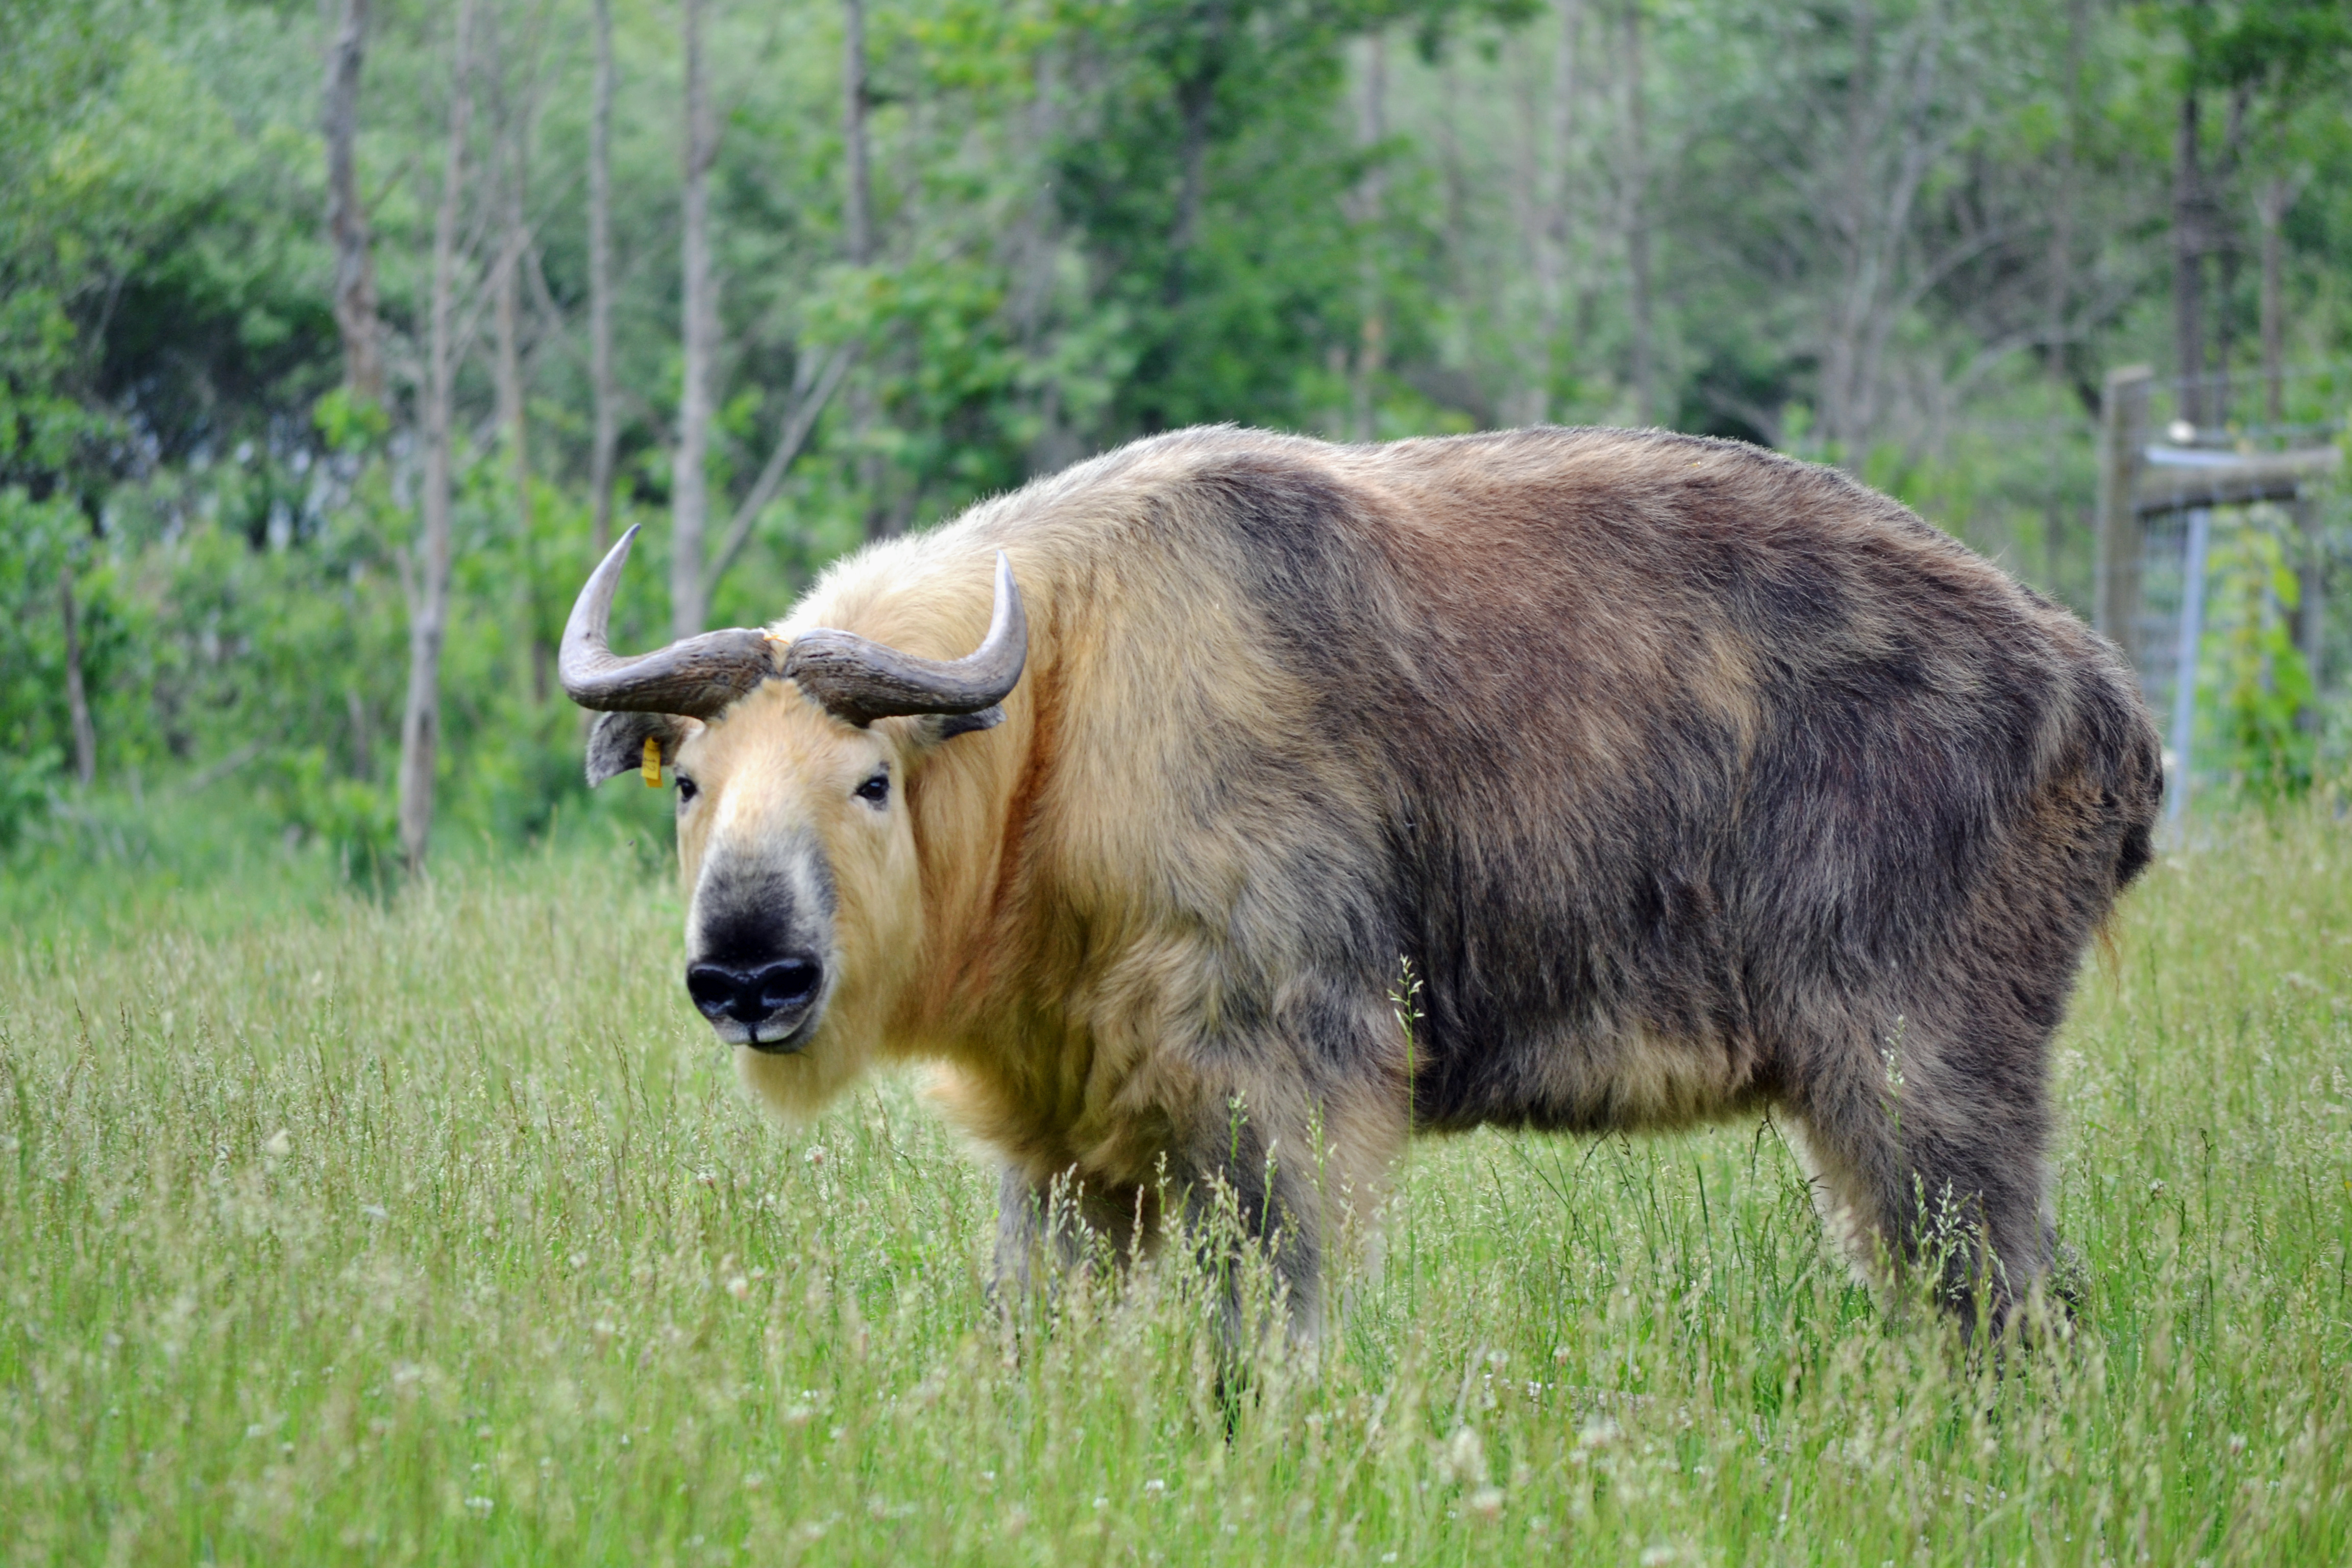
1686	780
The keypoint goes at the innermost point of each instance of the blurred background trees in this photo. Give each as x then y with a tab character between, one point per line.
335	340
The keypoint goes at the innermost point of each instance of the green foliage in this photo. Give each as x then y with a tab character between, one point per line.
33	542
154	249
1094	220
25	779
350	423
2291	47
2262	693
42	546
356	820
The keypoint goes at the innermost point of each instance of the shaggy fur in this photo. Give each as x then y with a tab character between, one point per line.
1686	779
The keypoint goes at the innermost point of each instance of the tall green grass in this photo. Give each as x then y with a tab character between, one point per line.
437	1230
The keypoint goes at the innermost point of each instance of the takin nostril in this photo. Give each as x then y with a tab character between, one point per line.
754	996
787	984
716	990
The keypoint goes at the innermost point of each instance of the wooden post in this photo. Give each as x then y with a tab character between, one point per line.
2123	427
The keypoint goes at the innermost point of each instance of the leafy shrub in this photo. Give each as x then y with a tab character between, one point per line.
2260	682
355	820
24	779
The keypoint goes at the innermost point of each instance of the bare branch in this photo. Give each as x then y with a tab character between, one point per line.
800	420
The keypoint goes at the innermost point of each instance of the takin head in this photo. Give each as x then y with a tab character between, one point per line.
794	846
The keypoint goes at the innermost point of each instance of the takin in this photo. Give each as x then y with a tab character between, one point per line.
1684	780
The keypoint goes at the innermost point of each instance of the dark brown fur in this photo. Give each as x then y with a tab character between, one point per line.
1688	779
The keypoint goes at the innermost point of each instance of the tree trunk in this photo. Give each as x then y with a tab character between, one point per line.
1553	250
2059	295
362	734
2277	196
689	481
420	726
1844	402
600	284
857	201
1196	97
1458	179
512	414
1908	106
1637	220
508	377
1530	401
1546	128
85	733
1372	340
2188	264
814	381
858	246
1036	253
2222	243
347	225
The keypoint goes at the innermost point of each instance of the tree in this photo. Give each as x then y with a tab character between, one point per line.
858	176
699	339
2266	58
953	246
446	340
858	240
85	733
2272	204
1369	204
518	106
1636	197
347	224
605	413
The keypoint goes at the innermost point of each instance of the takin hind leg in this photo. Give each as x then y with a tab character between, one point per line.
1930	1162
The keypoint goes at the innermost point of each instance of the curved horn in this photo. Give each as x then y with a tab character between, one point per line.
695	676
860	682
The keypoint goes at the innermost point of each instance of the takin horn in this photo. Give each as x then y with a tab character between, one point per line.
860	682
857	680
697	677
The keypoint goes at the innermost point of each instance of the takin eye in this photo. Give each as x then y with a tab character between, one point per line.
876	791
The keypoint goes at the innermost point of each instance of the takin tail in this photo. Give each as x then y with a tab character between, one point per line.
2127	770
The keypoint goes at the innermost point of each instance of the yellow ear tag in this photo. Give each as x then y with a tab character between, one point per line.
653	762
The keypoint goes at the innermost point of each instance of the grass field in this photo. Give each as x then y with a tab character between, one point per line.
439	1231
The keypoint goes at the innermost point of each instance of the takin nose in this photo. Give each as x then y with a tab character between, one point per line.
774	993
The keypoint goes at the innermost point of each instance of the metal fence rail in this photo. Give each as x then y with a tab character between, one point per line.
2166	494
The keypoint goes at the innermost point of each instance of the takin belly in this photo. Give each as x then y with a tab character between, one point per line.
1625	1079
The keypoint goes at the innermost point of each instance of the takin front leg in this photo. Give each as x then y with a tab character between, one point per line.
1045	1230
1930	1160
1246	1181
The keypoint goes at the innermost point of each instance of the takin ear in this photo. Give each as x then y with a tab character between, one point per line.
938	729
617	741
